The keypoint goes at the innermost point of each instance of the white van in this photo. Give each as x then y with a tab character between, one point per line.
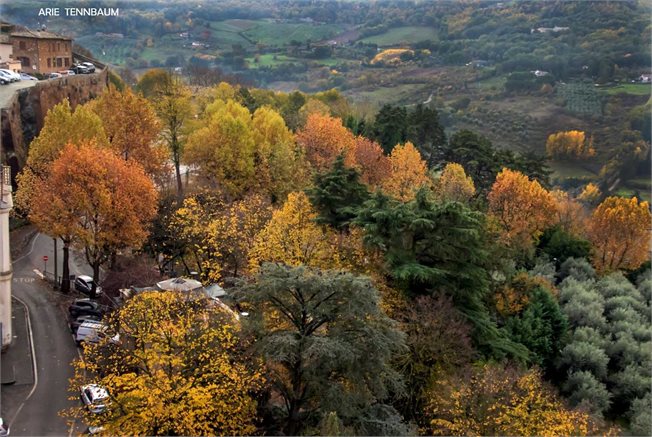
92	332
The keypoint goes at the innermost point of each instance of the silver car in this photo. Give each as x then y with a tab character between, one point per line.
94	397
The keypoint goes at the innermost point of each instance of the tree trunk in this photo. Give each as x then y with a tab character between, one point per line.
177	170
65	273
96	277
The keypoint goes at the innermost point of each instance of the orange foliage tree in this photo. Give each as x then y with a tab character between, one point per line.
373	165
570	144
522	207
619	230
571	214
409	172
324	138
101	201
131	126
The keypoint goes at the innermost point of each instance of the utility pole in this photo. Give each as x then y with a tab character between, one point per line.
56	270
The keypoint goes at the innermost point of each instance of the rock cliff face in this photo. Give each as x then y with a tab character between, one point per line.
23	116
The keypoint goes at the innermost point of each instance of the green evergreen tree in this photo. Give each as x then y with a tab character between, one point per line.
431	248
328	349
425	131
337	194
390	127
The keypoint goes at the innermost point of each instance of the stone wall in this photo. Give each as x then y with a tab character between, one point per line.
22	118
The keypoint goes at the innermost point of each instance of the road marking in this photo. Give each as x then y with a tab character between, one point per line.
34	368
30	250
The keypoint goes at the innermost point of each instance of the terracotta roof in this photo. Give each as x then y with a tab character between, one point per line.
41	34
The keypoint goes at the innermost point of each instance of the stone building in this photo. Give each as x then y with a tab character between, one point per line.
41	51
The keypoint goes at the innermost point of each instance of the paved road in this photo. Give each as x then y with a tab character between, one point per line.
6	91
54	349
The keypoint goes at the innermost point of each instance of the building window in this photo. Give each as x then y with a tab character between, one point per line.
24	62
21	45
59	62
66	61
49	63
58	47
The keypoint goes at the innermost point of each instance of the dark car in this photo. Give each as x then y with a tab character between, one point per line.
82	307
74	323
84	284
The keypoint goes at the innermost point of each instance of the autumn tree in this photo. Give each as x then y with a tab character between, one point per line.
569	144
498	400
425	131
61	126
150	82
172	101
324	138
619	230
281	165
225	149
454	184
408	172
177	369
292	237
522	207
590	194
373	165
103	202
326	346
131	127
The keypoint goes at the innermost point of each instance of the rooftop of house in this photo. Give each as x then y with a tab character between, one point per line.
39	34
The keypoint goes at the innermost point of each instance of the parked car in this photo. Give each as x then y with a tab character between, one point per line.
14	77
86	306
6	78
94	397
67	73
25	76
54	75
89	66
93	332
80	69
84	284
4	81
77	321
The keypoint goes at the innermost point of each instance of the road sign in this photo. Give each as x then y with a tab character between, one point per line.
45	258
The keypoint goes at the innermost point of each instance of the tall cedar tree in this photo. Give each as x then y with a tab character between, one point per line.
337	195
482	162
327	346
390	127
434	247
425	131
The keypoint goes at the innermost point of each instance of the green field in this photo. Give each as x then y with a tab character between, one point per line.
402	94
564	170
403	35
272	33
113	51
637	89
270	60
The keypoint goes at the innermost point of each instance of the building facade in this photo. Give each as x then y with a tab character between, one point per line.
41	51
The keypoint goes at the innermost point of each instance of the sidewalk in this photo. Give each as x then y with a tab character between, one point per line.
17	366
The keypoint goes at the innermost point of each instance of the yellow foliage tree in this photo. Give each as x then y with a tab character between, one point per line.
493	400
177	369
224	150
619	231
454	184
570	144
280	165
590	194
292	237
513	297
522	206
408	173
